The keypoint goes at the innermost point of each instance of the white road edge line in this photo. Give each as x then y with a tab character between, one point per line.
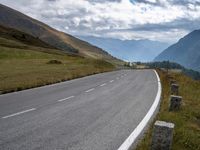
19	113
65	99
103	84
111	81
89	90
137	131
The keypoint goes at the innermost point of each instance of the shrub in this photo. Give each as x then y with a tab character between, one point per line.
54	62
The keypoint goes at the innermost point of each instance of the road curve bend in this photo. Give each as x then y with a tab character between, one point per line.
97	112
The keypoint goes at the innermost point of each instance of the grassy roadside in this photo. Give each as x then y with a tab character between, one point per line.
26	68
187	120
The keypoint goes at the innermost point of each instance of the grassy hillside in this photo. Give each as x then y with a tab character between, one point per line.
15	19
22	68
26	62
187	120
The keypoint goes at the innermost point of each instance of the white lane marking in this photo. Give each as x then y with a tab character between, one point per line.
138	130
103	84
19	113
66	98
89	90
111	81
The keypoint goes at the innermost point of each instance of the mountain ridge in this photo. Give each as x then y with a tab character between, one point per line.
130	50
186	51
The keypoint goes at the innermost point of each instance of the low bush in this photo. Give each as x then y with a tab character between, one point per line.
54	62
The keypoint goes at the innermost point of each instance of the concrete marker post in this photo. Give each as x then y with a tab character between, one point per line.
172	82
174	89
162	136
175	102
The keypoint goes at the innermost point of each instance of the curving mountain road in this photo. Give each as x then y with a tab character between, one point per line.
97	112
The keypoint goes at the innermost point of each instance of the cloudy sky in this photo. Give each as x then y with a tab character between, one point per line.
160	20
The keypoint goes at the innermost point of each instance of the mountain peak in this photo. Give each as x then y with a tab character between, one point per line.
185	51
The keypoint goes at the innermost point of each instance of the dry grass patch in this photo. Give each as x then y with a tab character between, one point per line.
21	69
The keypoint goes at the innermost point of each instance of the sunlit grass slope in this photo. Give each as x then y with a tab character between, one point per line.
21	69
24	62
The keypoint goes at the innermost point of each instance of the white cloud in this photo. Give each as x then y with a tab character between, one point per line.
115	18
153	35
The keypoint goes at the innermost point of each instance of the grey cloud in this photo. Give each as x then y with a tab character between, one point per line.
104	1
171	2
185	2
91	20
184	24
156	3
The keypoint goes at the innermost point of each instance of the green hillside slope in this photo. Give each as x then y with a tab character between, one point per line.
26	62
15	19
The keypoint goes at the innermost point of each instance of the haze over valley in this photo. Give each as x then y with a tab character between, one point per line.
129	50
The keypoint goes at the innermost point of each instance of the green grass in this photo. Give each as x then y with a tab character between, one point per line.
26	68
187	120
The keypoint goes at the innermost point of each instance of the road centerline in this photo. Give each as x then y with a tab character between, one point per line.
19	113
90	90
61	100
103	84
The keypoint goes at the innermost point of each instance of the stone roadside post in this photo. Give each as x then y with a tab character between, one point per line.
175	102
162	136
174	89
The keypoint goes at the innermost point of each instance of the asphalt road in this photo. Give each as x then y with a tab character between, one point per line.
97	112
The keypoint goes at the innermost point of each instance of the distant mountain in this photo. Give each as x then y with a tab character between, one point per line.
130	50
185	52
14	19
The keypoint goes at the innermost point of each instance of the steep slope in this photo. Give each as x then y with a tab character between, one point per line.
131	50
14	19
21	38
186	51
14	39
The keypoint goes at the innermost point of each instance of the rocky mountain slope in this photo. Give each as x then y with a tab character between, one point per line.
185	52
